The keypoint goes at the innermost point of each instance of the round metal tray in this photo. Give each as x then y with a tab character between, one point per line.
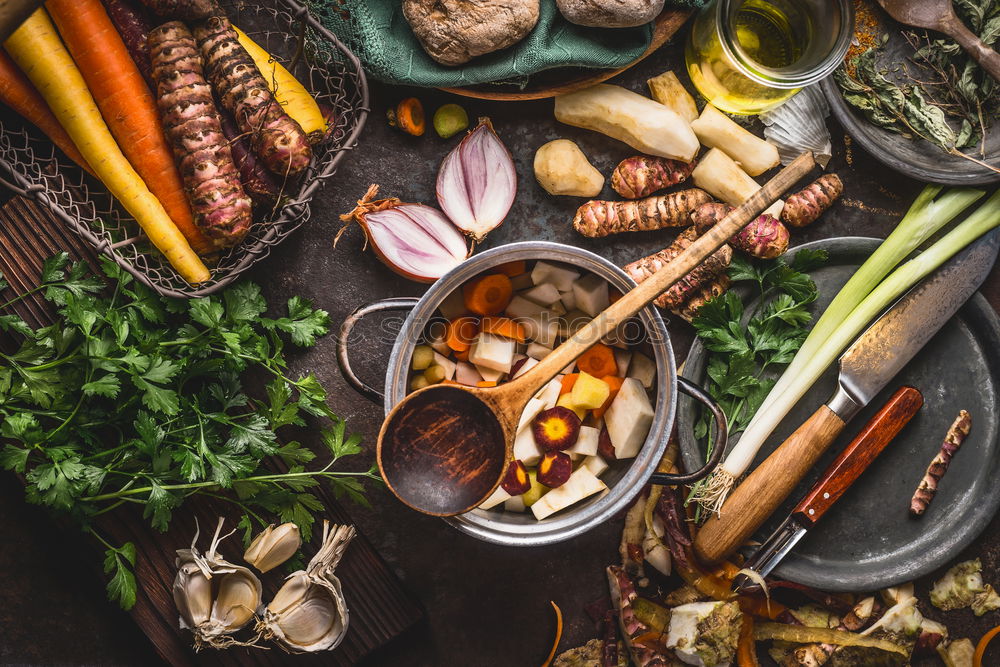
325	67
868	540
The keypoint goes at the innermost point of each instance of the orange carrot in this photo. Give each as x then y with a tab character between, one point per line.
567	382
506	327
463	355
486	383
511	269
460	333
598	361
127	106
616	384
17	92
488	295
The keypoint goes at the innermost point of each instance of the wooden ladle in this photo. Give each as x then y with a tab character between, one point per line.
444	449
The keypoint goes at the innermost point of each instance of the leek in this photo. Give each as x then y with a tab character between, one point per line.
829	336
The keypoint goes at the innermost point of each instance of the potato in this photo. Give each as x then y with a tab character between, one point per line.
668	91
717	130
645	125
562	169
722	178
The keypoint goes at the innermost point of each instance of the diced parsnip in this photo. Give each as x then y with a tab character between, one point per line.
645	125
492	351
722	178
572	322
622	359
528	364
520	307
550	393
439	344
542	328
560	276
589	392
717	130
537	350
581	484
595	464
447	364
628	419
561	168
489	374
423	356
569	368
558	308
668	91
525	448
619	337
591	294
544	294
515	504
586	442
566	401
498	496
535	405
643	369
568	299
453	306
521	281
467	374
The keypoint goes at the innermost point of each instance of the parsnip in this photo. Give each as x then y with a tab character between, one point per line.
668	91
645	125
717	130
561	168
718	175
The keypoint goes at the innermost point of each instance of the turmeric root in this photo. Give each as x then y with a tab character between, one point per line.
763	237
939	465
805	206
684	288
276	138
708	291
641	175
193	128
600	218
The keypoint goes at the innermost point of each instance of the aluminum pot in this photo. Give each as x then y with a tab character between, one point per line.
624	478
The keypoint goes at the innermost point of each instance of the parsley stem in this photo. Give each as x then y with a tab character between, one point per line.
23	296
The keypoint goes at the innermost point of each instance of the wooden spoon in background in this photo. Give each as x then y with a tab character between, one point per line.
939	15
444	449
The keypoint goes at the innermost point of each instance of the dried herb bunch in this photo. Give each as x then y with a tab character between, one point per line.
939	94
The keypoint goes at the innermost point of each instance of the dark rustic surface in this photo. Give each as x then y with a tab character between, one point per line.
486	605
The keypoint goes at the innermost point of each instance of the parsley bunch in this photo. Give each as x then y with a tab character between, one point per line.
132	398
746	345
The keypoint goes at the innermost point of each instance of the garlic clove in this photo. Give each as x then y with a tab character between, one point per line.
237	599
312	621
273	546
192	595
291	593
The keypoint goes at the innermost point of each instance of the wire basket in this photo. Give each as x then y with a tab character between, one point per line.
316	57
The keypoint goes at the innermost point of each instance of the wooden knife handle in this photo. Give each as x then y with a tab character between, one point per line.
766	487
869	443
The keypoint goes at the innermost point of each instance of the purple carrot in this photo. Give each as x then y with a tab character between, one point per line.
258	182
133	26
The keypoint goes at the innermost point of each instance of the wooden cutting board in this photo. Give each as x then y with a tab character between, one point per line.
379	607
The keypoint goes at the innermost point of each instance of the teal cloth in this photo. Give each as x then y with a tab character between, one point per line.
377	32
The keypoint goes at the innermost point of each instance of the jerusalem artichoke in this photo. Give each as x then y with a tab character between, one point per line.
803	207
192	125
684	288
763	237
708	291
939	465
600	218
276	138
641	175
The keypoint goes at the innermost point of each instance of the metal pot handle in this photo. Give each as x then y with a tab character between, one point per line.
721	441
359	385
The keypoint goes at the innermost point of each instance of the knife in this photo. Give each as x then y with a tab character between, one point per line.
865	369
845	469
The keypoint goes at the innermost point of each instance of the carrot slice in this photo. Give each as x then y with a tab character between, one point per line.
488	295
598	361
506	327
558	638
486	383
463	355
511	269
616	384
461	333
567	383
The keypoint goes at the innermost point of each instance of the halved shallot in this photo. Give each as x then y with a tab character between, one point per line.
416	241
477	182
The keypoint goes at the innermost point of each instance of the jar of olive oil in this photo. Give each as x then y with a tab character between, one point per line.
746	56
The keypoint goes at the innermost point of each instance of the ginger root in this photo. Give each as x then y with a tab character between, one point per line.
805	206
687	286
561	168
600	218
641	175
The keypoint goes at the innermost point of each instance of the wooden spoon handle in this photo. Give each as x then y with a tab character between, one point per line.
766	487
639	297
987	58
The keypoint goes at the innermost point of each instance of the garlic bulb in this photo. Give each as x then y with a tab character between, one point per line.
308	613
273	546
214	597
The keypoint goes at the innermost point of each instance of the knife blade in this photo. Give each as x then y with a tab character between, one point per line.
832	484
865	368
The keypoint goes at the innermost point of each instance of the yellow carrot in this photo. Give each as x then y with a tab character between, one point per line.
36	48
291	95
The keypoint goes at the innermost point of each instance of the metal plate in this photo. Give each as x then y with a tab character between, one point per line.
868	539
